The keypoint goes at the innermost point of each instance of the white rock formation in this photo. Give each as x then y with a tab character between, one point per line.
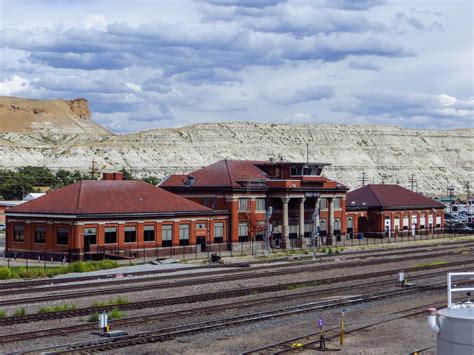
384	153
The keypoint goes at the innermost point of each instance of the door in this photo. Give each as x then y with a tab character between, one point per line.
201	244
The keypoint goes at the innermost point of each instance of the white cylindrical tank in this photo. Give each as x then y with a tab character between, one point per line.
454	325
456	331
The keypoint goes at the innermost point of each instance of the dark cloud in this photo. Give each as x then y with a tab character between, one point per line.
245	3
157	112
357	5
407	105
309	93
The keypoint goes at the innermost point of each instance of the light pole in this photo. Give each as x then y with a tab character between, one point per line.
268	231
450	193
315	232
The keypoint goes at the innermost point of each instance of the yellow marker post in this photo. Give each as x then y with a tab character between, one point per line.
341	336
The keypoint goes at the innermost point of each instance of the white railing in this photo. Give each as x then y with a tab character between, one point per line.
452	289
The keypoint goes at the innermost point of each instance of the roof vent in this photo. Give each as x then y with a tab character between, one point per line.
189	181
353	203
364	203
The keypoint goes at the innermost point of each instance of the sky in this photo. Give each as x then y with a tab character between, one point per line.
147	64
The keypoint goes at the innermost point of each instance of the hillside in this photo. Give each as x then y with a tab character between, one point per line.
385	153
48	117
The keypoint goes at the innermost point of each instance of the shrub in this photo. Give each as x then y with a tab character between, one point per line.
5	273
19	312
115	314
2	313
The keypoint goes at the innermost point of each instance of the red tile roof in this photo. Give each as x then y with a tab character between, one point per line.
109	197
388	196
222	173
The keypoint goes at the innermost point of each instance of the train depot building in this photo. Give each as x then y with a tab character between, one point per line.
383	210
227	205
248	188
109	217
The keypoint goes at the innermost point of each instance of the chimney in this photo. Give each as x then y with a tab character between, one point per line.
107	176
118	176
112	176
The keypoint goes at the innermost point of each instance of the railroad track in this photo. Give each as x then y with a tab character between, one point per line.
196	281
202	298
311	341
359	254
165	334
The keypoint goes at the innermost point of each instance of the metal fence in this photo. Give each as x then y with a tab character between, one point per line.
203	251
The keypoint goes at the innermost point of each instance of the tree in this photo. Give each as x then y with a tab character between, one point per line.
152	180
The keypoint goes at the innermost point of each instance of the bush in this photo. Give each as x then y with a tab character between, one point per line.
5	273
57	308
115	314
2	313
19	312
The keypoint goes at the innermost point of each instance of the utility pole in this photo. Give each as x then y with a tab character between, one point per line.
93	170
362	178
468	195
412	181
450	194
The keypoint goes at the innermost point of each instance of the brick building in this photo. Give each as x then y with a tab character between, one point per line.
391	210
109	217
248	188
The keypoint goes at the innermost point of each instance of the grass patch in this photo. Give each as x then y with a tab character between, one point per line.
34	272
2	313
19	312
112	302
432	263
295	286
58	308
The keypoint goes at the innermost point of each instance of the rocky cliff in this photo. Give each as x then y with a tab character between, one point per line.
384	153
47	117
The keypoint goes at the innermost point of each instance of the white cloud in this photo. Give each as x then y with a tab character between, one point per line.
14	84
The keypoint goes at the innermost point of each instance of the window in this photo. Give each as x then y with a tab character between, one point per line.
184	234
149	233
110	236
337	225
40	235
130	234
218	232
322	227
166	235
90	236
209	202
296	171
323	204
243	232
62	236
349	222
337	202
18	233
261	204
243	204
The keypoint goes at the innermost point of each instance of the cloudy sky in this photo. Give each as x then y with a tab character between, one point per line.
147	64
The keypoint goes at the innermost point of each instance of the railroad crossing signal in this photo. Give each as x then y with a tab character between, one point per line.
320	323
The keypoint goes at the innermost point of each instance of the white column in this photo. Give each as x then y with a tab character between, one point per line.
331	219
286	229
301	234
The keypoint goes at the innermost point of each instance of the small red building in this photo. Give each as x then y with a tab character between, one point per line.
248	188
109	217
382	210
